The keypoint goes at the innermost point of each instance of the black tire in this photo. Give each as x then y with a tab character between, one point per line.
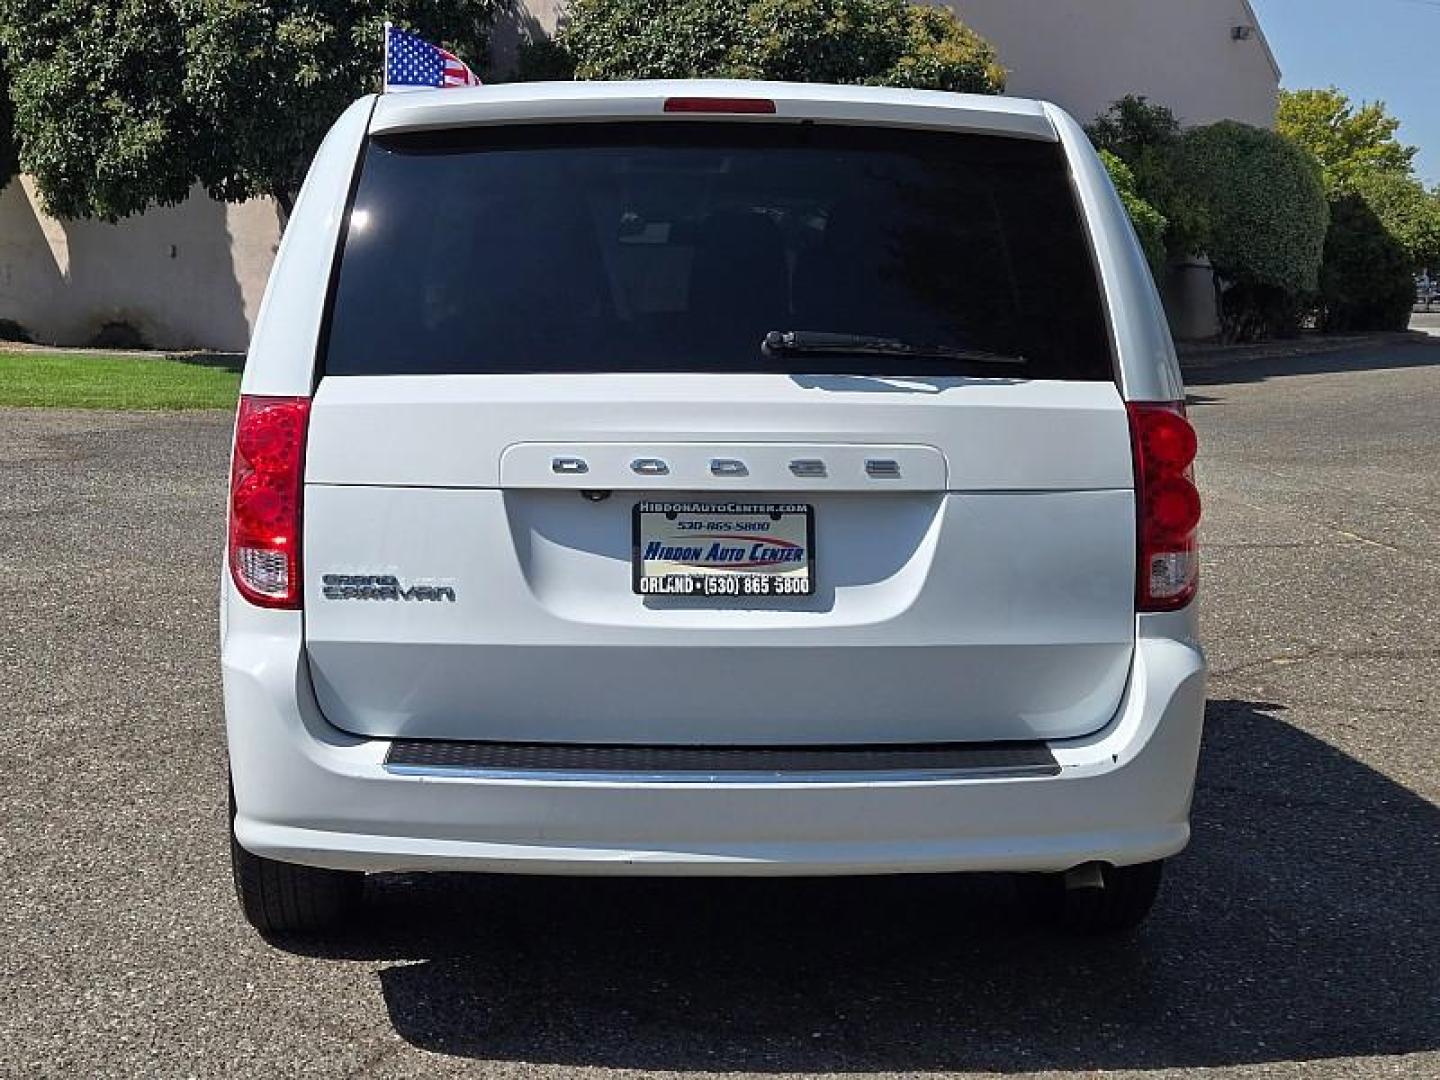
285	898
1121	905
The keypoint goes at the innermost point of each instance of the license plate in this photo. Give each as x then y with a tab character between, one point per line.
724	549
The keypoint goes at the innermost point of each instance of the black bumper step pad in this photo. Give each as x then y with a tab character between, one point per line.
1028	758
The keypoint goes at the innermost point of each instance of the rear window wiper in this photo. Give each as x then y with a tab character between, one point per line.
816	343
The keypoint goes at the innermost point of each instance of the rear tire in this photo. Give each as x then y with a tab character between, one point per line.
1121	905
285	898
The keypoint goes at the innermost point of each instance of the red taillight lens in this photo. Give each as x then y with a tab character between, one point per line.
1167	503
718	105
265	479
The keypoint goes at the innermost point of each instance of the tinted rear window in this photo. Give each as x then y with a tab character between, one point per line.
677	246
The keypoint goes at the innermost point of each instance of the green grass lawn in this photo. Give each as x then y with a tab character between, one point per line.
92	381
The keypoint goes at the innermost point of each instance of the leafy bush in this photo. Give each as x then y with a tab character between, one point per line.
1365	283
1146	137
1266	218
874	42
1131	124
1149	223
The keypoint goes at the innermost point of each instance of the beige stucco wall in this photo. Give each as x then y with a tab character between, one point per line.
189	276
1083	54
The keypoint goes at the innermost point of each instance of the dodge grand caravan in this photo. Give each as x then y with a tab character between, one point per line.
684	478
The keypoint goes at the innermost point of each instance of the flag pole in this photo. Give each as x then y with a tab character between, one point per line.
385	62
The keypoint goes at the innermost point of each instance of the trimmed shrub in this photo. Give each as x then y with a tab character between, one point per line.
1265	222
1365	283
1149	223
875	42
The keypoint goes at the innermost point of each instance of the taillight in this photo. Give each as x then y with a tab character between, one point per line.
719	105
1167	503
265	479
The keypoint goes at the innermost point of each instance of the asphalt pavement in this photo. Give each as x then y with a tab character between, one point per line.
1299	935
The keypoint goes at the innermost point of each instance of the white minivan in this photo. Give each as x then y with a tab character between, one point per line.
708	477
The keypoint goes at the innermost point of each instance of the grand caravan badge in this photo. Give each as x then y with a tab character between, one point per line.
381	587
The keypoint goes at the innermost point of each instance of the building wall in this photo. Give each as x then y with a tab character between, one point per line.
187	277
1083	54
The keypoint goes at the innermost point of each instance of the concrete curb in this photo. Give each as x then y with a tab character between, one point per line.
188	356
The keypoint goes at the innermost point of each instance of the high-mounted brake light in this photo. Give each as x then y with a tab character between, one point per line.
265	491
1167	505
718	105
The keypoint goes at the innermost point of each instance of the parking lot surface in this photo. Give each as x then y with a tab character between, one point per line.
1299	935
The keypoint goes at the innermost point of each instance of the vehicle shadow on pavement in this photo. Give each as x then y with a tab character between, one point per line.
1301	924
1407	353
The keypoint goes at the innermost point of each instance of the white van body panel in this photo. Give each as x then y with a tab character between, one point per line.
538	102
942	614
281	358
309	793
983	592
455	431
909	640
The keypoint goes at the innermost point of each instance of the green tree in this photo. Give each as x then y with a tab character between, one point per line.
265	80
1266	220
1409	213
98	109
1360	155
1146	138
874	42
1348	141
1132	125
122	104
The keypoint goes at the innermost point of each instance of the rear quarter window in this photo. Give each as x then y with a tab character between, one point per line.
677	246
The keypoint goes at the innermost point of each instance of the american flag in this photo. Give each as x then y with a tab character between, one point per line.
413	61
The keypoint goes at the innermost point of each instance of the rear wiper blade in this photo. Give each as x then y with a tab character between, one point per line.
816	343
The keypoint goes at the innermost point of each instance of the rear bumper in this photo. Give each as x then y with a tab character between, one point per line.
311	794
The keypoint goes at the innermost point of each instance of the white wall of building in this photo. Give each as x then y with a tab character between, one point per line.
187	277
1084	54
